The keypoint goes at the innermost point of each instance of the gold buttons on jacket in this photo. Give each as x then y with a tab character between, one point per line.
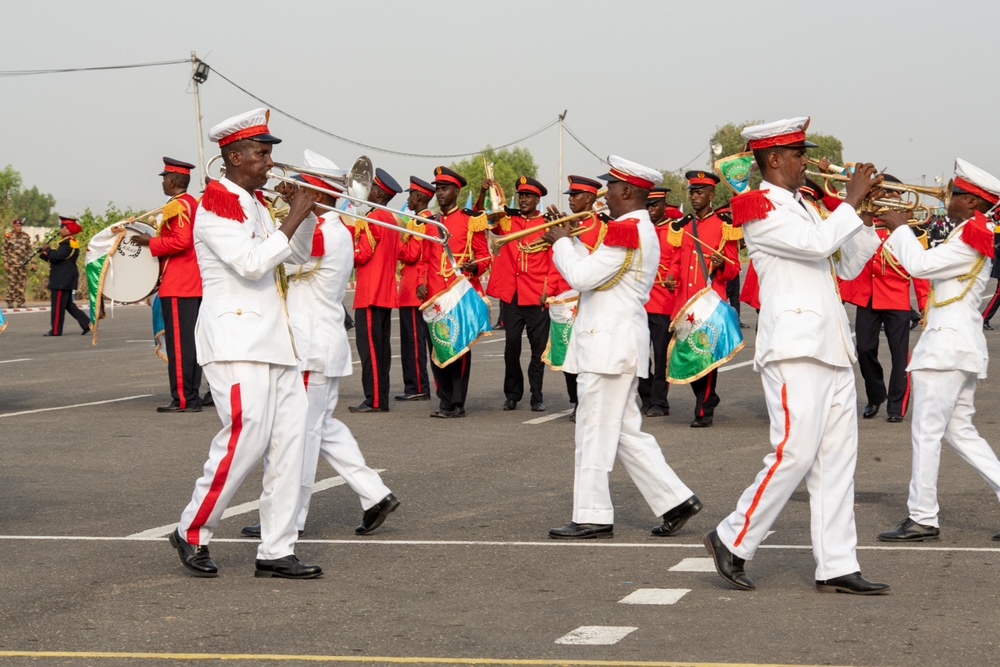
239	311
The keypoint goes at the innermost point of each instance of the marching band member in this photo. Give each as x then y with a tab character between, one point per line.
654	388
64	277
804	356
245	348
316	292
376	252
524	290
470	249
413	336
609	349
582	195
180	285
881	293
694	263
951	353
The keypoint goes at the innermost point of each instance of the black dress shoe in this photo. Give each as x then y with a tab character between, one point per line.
986	325
254	531
376	514
364	407
996	537
728	565
49	334
85	332
583	531
701	422
572	417
208	401
894	419
657	411
509	405
412	397
288	567
537	406
444	414
675	518
852	583
871	410
176	407
194	557
911	531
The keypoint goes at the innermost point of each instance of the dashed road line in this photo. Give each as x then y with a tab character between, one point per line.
693	565
76	405
596	635
548	418
13	361
655	596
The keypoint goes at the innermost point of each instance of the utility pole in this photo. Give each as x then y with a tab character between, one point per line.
562	119
199	74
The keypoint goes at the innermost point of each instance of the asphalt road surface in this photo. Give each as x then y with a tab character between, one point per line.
92	479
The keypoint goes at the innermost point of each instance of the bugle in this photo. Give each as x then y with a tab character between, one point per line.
49	238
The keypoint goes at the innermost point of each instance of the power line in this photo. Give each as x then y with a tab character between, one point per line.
585	146
368	146
31	72
693	159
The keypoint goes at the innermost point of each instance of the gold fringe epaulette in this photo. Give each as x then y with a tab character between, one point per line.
730	233
503	224
359	227
174	209
921	236
73	243
479	222
675	236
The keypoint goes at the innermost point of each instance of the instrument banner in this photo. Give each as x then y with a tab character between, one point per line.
706	335
735	171
455	318
562	313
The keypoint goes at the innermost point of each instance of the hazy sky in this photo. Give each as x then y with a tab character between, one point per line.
908	85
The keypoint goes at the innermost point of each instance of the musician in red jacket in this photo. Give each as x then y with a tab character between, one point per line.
376	252
436	274
706	249
413	335
180	286
881	293
654	388
524	290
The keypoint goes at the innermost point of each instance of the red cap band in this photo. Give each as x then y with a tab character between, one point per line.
177	170
632	180
447	178
582	187
965	185
656	195
422	189
245	133
529	188
320	183
701	181
788	139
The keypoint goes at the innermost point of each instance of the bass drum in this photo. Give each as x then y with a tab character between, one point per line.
133	272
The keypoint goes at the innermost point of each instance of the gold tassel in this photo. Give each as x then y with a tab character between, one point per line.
173	209
503	224
480	223
730	233
675	237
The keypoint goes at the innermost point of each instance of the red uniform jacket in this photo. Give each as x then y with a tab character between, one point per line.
376	251
467	243
661	300
592	237
175	248
750	294
685	266
524	274
410	252
884	283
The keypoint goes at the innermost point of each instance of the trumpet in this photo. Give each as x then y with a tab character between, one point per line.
942	193
507	238
49	238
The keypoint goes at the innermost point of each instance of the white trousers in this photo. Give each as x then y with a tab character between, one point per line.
608	423
331	438
262	408
943	406
814	433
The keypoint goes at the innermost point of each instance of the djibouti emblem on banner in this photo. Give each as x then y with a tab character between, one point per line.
735	171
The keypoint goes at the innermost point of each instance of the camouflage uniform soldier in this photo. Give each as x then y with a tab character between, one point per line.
16	250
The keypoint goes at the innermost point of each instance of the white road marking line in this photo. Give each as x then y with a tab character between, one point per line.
596	635
767	535
77	405
236	510
694	565
141	341
548	418
730	367
655	596
12	361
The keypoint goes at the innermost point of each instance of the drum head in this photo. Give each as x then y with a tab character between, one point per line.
133	271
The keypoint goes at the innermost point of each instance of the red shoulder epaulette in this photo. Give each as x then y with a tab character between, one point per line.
750	206
622	233
978	235
222	202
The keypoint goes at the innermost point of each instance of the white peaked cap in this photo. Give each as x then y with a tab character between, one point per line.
314	160
249	125
632	172
970	178
785	132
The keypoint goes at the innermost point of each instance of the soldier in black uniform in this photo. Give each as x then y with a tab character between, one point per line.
64	277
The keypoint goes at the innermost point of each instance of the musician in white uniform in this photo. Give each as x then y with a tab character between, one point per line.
951	354
804	354
609	349
245	347
315	310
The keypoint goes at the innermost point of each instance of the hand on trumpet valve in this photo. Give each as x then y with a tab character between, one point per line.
556	232
300	200
140	239
862	184
893	219
552	212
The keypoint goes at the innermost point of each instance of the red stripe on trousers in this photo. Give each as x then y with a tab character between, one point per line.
178	358
906	394
222	472
416	350
59	307
708	392
371	352
770	472
305	379
990	304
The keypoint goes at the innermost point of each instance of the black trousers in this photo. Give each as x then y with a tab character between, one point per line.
452	382
653	389
705	398
179	316
61	302
733	293
991	307
413	341
516	319
374	325
571	386
867	325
